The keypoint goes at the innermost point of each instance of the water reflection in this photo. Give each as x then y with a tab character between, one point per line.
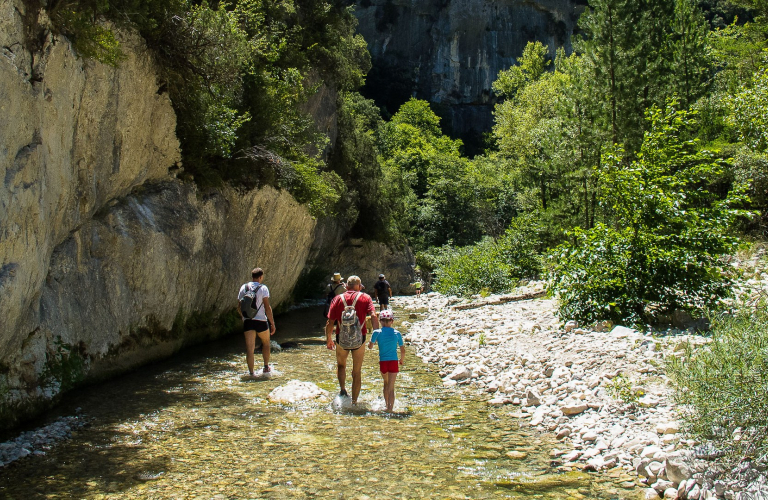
194	428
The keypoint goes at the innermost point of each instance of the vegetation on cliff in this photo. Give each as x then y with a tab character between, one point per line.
239	75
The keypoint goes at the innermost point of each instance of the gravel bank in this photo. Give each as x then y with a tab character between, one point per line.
576	383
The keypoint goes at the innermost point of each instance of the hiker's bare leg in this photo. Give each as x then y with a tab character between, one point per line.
265	347
250	345
357	371
341	367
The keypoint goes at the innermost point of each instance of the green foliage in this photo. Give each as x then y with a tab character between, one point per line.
737	52
494	266
760	7
418	114
240	75
549	135
531	66
90	38
640	53
424	174
669	225
721	386
468	270
65	366
689	58
748	111
620	388
366	207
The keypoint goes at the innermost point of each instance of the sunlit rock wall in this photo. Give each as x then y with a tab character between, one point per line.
104	256
449	52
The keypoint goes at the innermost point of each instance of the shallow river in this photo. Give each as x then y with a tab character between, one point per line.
193	428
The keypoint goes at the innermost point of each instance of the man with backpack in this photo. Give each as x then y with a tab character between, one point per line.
254	308
383	292
334	288
350	310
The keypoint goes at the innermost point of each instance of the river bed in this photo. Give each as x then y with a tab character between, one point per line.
193	427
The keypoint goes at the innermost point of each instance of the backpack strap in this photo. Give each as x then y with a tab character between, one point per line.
354	301
255	290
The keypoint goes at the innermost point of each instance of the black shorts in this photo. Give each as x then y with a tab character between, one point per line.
338	346
384	301
256	325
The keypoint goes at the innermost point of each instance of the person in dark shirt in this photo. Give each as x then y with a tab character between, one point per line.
383	292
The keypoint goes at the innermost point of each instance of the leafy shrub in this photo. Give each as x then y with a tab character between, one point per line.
468	270
721	386
90	39
620	388
671	212
490	266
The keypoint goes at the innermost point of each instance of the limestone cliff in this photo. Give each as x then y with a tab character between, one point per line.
449	52
104	256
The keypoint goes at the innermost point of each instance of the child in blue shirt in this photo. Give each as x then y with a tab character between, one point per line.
389	340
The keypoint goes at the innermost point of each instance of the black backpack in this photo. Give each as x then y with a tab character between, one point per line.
248	302
329	297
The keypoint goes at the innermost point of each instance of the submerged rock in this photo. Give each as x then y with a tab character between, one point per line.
296	390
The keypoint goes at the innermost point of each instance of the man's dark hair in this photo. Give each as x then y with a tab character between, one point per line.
256	273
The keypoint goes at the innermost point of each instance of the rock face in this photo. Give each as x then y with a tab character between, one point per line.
106	260
450	52
368	259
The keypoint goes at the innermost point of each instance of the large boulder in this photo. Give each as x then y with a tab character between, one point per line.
679	466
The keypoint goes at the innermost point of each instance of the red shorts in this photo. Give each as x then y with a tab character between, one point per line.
389	366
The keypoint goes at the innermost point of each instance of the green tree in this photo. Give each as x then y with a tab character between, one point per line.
760	7
548	133
530	67
748	111
426	179
524	122
355	158
669	225
612	43
688	44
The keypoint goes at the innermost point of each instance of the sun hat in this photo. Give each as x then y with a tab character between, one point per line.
386	314
381	276
337	277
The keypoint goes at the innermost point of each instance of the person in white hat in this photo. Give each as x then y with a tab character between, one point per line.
334	288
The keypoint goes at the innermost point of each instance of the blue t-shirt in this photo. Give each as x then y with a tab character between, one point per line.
389	340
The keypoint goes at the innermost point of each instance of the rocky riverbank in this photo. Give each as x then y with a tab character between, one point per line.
601	391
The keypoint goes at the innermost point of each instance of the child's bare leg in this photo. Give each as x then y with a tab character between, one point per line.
391	387
385	390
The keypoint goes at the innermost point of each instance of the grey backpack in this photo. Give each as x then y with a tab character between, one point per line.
351	332
248	302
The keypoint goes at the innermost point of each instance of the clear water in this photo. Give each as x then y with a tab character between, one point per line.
192	427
